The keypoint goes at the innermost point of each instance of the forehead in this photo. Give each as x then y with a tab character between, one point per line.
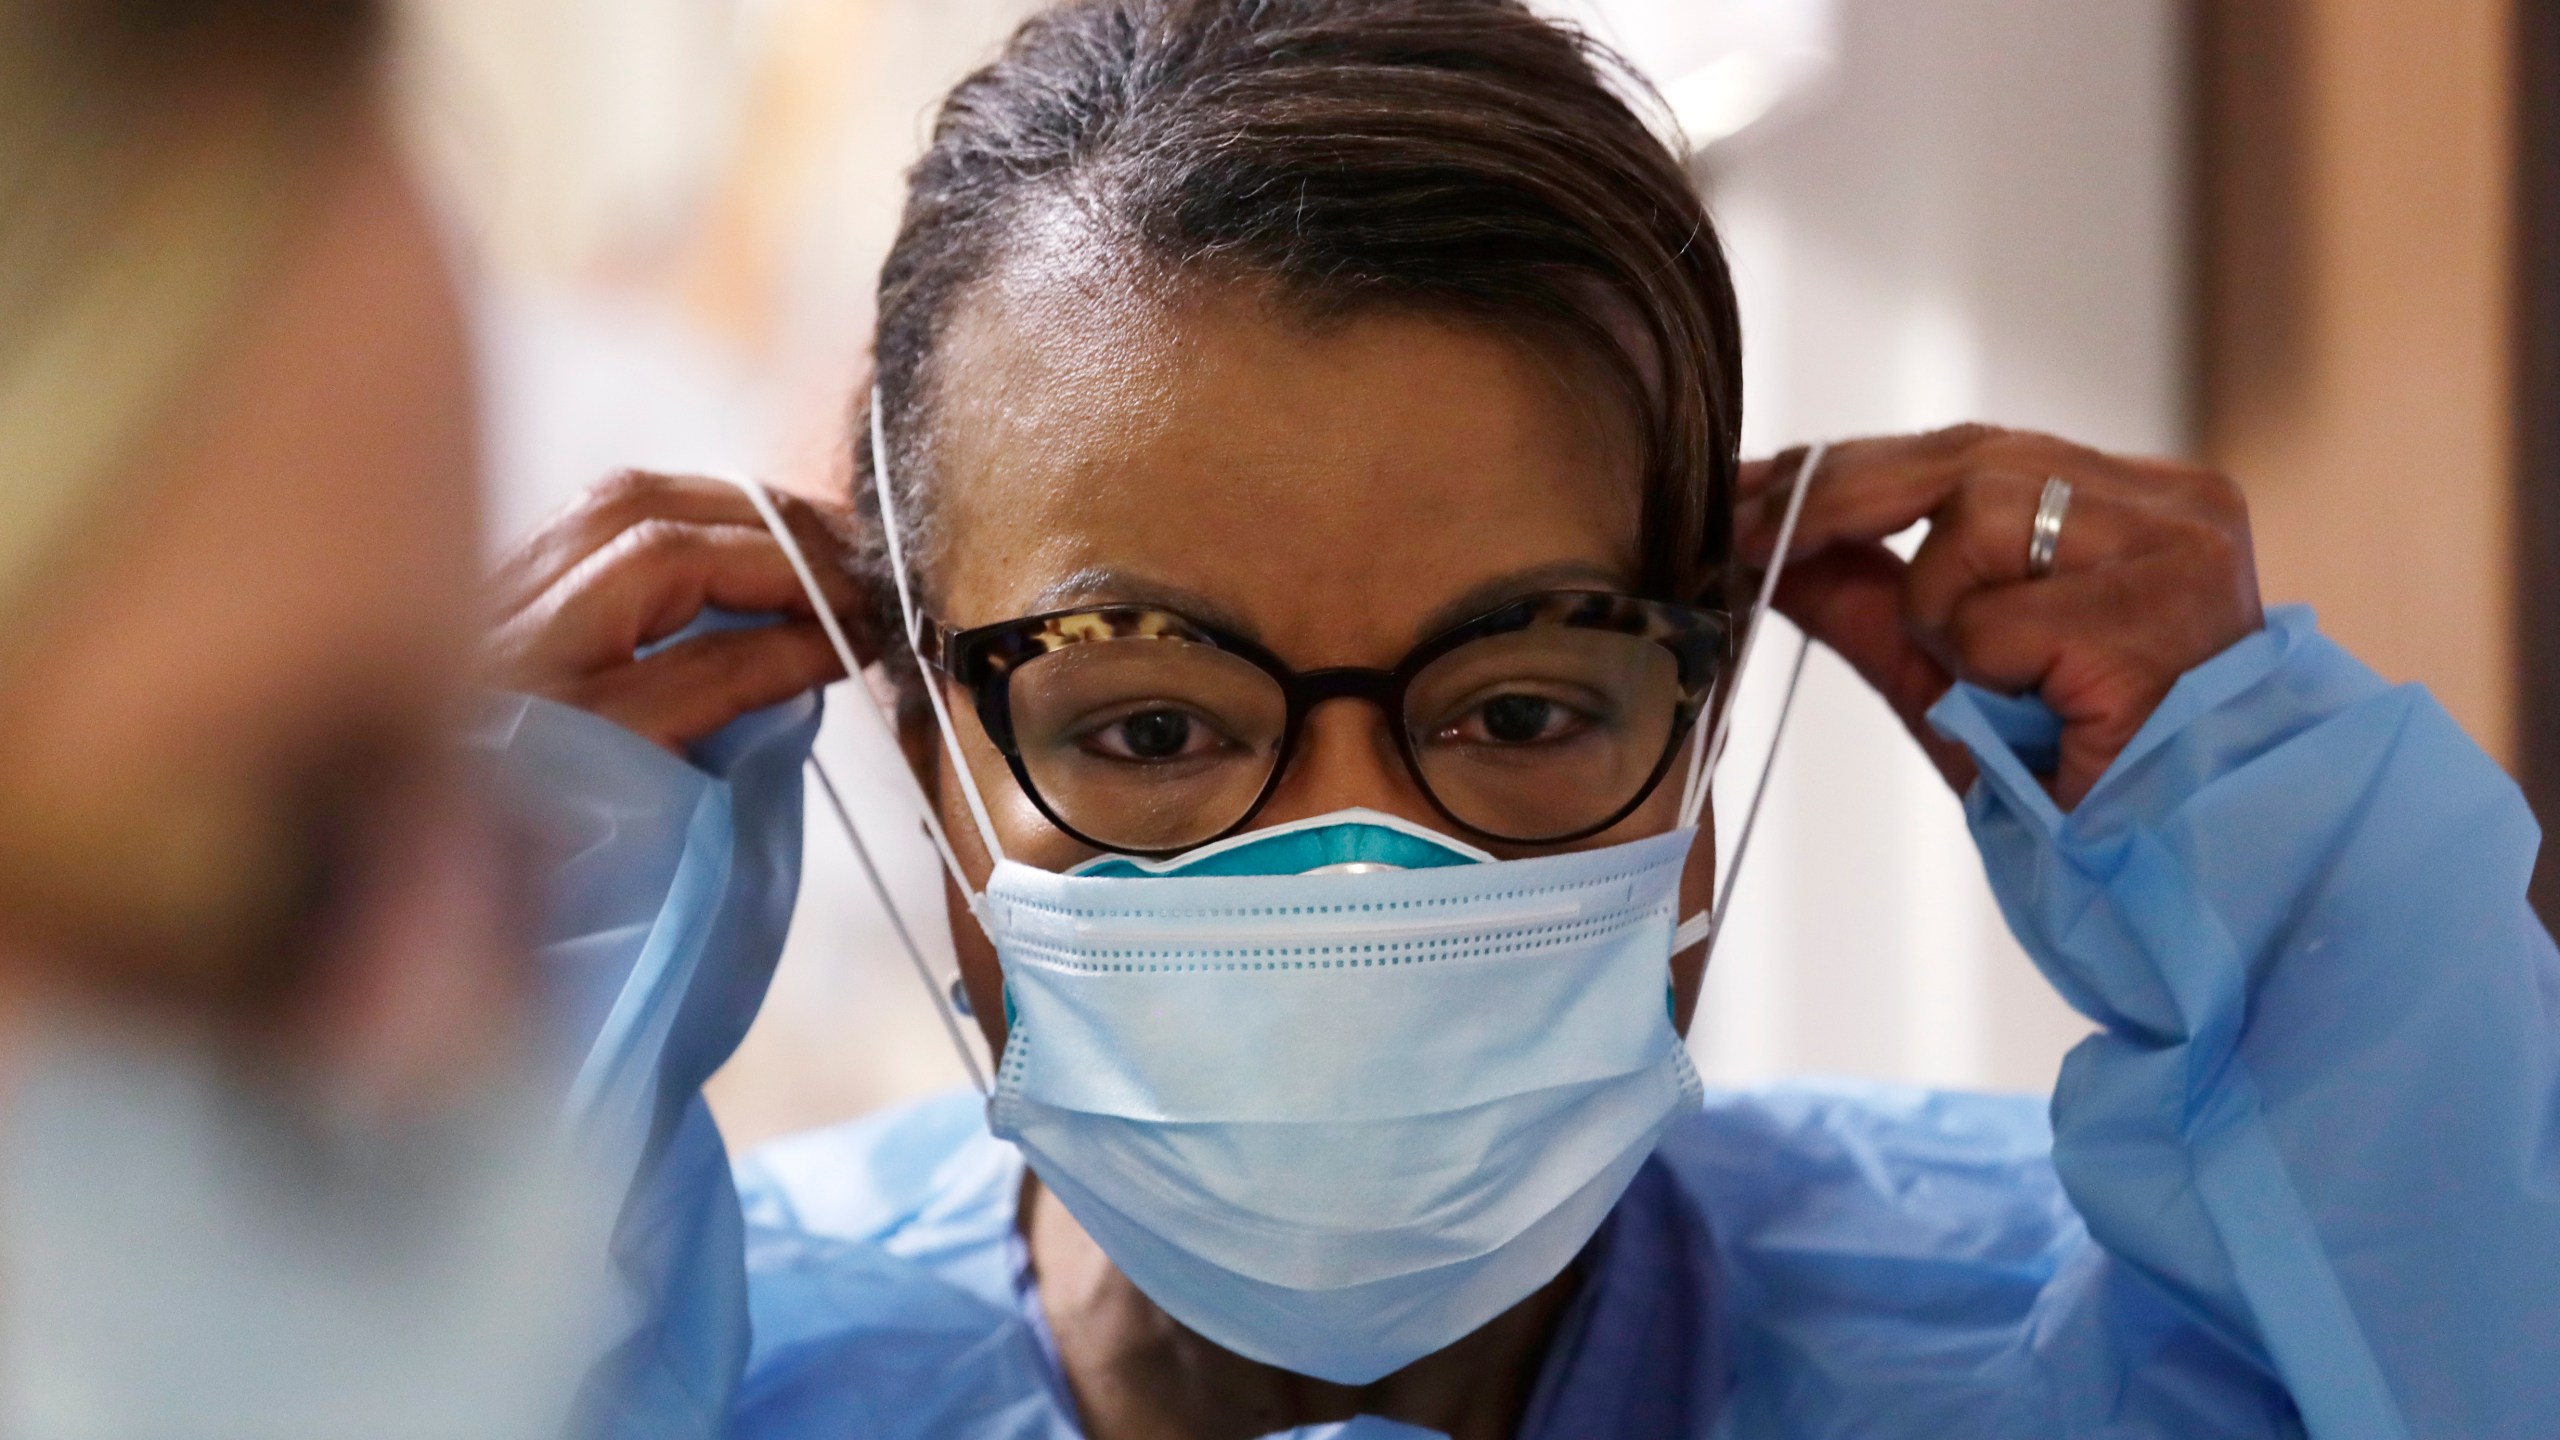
1333	487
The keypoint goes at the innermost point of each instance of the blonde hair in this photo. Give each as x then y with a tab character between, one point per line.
147	153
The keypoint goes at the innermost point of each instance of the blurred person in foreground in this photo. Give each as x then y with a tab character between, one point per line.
266	1165
1310	537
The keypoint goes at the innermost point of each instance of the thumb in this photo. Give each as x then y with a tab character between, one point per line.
1850	598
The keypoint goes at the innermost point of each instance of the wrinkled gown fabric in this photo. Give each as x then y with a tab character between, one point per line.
2305	1179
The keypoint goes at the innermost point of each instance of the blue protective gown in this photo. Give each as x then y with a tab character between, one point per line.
2305	1180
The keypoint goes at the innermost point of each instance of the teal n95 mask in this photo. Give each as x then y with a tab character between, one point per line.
1336	1093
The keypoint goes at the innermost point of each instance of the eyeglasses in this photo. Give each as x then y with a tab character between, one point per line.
1141	730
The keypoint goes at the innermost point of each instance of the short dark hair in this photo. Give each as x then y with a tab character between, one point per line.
1463	156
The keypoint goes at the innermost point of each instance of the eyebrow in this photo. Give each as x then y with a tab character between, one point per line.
1502	589
1103	585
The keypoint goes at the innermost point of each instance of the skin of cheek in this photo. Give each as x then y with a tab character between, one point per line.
1330	490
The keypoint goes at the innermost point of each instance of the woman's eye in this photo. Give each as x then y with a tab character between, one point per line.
1158	734
1516	720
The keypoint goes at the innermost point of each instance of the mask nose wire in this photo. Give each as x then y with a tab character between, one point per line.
827	622
1707	751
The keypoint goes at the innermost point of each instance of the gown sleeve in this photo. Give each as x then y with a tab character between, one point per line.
2321	1116
669	892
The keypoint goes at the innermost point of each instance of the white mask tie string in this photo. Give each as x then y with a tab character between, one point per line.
907	611
933	988
762	499
759	497
1707	749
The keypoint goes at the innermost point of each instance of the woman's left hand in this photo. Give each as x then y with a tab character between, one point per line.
2152	577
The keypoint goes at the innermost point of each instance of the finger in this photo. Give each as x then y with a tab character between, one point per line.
2036	637
1881	474
686	693
1757	476
1871	488
630	498
658	576
2009	638
1850	600
1981	535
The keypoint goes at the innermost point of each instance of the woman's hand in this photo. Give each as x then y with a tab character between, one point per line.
635	560
2152	577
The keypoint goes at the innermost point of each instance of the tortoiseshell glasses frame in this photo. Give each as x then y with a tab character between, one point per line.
985	659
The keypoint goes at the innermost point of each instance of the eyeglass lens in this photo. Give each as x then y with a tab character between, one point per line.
1156	743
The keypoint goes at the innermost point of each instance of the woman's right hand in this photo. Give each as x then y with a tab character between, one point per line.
636	559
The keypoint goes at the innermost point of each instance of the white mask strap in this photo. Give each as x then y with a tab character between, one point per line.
1707	749
827	622
898	922
1708	926
782	536
915	629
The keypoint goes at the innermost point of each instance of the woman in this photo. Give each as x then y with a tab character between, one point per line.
1311	431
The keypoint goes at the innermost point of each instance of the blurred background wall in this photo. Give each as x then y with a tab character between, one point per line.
1974	212
2534	325
2354	169
2273	233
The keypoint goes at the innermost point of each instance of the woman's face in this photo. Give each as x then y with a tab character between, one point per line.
1336	492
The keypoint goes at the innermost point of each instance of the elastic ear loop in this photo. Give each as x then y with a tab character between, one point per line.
1707	751
782	536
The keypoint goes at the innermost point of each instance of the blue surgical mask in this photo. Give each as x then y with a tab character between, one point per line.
1335	1119
1336	1093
